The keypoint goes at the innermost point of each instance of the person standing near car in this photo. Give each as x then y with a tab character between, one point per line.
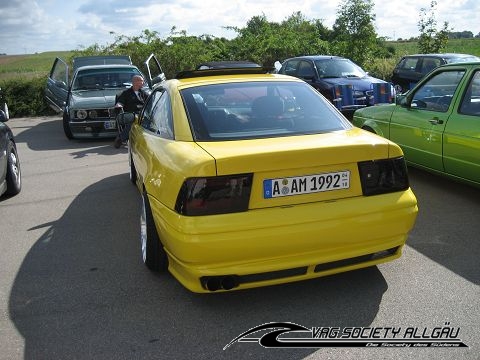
130	100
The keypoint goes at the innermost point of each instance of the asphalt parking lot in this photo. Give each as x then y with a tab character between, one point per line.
73	285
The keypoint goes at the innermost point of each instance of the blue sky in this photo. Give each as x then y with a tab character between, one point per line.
29	26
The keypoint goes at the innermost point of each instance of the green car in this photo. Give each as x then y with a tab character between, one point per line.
436	123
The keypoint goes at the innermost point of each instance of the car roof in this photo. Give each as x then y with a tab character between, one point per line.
81	61
226	64
107	66
202	76
472	63
217	71
317	57
442	55
186	82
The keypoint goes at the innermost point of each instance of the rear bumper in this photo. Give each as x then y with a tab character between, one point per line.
278	245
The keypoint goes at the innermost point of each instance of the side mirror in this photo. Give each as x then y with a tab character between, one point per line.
61	84
157	79
401	99
308	77
3	117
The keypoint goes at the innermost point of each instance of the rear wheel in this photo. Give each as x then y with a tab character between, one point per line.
153	254
14	177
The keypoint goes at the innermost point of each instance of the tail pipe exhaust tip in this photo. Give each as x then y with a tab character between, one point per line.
214	283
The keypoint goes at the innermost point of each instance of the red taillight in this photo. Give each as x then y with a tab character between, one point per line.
214	195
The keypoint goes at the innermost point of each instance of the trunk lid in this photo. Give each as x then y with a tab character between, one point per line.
290	170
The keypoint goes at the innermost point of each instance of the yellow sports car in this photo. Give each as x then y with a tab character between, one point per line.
251	179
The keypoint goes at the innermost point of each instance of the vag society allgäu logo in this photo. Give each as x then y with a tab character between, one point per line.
291	335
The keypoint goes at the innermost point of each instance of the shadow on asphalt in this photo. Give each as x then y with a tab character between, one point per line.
447	227
48	135
83	292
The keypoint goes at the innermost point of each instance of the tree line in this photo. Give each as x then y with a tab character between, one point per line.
353	36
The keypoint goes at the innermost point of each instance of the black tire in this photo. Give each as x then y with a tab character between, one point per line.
133	171
153	254
66	127
14	175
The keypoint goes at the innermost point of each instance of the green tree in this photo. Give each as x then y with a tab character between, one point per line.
431	40
265	42
354	34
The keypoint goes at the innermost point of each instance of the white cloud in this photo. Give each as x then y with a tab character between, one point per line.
46	25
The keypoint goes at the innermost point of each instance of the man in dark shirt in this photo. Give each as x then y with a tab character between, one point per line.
130	100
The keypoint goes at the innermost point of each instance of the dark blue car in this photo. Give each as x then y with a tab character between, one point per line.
329	73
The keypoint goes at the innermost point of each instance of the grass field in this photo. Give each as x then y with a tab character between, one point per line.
37	65
461	46
29	65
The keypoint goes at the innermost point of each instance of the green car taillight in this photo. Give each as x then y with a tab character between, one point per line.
214	195
383	176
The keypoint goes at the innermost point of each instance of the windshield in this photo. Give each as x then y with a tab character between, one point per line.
249	110
104	78
335	68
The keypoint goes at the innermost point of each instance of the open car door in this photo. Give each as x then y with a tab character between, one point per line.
155	72
57	86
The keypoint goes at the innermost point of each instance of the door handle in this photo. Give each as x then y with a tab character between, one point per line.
435	121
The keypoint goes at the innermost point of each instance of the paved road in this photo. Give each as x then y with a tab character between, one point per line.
72	284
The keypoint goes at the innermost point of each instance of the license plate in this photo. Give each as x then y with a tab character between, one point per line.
110	124
297	185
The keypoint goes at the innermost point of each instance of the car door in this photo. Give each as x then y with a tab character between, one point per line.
56	91
305	70
419	125
155	72
461	149
407	73
302	69
148	129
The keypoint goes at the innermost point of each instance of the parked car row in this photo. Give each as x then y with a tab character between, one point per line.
233	162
